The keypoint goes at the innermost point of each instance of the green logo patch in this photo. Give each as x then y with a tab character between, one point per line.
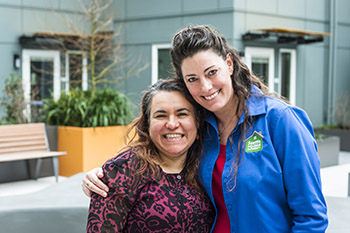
254	143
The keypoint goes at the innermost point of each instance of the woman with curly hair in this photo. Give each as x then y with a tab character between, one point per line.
152	182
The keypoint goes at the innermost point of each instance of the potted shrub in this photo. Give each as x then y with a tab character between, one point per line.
342	126
328	149
91	127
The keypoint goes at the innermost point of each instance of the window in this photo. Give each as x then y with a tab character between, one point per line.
76	74
161	62
262	63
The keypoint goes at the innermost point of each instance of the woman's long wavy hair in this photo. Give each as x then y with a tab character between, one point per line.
187	42
140	141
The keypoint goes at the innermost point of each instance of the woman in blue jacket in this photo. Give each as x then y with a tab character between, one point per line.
259	164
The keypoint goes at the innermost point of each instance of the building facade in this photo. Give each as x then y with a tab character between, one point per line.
300	48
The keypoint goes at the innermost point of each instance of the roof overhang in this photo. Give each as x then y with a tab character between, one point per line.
49	40
284	35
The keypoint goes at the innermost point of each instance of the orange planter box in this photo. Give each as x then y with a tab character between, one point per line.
88	148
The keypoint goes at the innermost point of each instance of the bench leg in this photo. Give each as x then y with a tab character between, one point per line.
28	169
37	169
349	184
55	167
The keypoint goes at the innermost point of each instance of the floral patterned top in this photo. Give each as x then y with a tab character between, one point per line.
136	203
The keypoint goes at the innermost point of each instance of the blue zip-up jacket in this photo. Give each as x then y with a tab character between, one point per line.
278	185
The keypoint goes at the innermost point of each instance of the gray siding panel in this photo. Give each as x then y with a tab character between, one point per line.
134	86
216	20
11	26
313	80
49	21
343	10
254	21
119	7
342	80
151	31
295	8
11	2
137	8
226	3
50	4
343	36
6	62
317	9
71	5
200	5
267	6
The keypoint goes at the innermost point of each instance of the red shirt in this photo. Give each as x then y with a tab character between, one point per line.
222	222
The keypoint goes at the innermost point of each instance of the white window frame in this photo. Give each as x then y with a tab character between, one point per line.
27	54
292	84
155	49
84	77
266	52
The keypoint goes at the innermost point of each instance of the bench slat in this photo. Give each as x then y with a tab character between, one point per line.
21	138
22	129
23	149
26	144
30	155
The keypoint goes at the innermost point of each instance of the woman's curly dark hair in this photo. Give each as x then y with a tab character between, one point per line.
191	40
140	140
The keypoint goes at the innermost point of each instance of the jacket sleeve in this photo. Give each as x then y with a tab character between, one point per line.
110	214
297	150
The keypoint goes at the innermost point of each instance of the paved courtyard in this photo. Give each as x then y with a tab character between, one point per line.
25	194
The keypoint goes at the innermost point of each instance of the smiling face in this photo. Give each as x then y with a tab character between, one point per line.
172	126
208	78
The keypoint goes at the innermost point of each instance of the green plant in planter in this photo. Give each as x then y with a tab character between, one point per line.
319	136
341	115
342	112
108	107
13	101
82	109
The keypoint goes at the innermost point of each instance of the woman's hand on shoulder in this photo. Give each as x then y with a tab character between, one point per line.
92	183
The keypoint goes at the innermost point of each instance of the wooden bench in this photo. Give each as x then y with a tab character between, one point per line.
26	142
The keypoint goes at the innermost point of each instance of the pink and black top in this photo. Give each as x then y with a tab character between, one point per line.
136	203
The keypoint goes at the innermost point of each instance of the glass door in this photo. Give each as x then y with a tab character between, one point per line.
287	74
40	79
261	61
